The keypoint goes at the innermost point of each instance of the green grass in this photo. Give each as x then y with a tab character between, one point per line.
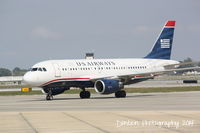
128	90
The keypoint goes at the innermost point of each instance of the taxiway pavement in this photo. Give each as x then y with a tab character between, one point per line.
139	112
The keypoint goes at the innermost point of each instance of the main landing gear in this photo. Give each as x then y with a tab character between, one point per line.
84	94
120	94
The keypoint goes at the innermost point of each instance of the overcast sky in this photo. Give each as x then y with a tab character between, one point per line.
35	30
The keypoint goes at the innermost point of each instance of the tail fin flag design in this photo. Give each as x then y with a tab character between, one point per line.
163	46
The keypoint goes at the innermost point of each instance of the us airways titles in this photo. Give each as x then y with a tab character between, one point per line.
95	63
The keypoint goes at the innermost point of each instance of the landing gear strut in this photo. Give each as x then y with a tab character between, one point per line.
120	94
49	95
84	94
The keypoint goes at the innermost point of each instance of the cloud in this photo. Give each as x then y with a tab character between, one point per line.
44	33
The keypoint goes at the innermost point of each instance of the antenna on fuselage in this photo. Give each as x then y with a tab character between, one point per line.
89	56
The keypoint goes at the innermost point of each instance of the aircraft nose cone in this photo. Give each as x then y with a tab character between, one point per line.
29	79
26	78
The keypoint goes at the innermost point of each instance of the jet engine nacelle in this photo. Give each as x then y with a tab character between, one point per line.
107	86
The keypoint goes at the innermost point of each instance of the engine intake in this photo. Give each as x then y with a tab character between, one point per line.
107	86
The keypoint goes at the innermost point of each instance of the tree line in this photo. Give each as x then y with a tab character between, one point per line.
15	72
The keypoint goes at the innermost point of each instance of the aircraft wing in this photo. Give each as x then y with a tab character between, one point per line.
152	74
182	64
147	75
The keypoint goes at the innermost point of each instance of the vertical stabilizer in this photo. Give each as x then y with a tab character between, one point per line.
163	46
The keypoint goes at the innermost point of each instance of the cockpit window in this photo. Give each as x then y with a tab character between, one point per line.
38	69
34	69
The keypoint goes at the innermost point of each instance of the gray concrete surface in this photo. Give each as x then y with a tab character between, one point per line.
133	101
152	112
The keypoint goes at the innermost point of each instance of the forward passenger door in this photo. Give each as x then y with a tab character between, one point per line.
57	70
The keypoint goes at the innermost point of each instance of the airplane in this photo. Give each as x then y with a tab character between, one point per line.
106	76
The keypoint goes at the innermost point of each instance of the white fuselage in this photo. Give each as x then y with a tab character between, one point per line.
84	70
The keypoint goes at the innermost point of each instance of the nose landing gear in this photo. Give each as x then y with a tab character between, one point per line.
49	95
